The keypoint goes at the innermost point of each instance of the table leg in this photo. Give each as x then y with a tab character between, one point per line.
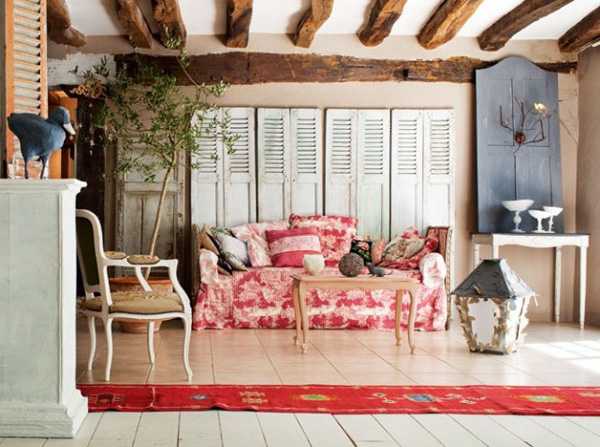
304	313
297	313
582	284
412	316
557	281
398	328
495	251
476	255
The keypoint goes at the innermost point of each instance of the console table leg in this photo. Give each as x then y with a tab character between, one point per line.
495	251
557	281
476	255
582	284
297	314
398	317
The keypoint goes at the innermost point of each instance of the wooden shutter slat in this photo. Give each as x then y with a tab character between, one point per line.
306	161
274	202
239	183
406	170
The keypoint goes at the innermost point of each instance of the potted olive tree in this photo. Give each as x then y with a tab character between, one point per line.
153	121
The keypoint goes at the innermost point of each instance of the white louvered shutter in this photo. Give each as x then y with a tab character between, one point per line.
239	182
407	167
273	164
438	169
340	166
207	179
306	161
25	63
373	196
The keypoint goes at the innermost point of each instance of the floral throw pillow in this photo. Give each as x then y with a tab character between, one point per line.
254	236
406	251
336	233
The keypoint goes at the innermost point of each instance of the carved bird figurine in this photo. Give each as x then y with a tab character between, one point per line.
376	271
40	137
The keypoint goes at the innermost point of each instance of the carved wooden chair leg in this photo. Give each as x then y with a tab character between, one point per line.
109	347
150	341
92	328
187	323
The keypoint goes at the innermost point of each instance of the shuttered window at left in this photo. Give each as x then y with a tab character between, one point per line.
24	68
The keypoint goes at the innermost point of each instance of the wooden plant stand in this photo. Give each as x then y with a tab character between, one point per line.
302	282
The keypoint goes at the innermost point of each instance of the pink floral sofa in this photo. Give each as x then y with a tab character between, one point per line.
262	297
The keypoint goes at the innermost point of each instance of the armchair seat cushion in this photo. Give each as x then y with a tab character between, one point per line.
138	303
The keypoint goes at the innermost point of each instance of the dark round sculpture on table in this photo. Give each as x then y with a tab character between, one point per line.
351	265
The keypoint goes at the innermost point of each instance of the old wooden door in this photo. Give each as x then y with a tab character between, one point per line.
505	171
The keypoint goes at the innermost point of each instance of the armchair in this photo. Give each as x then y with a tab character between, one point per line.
100	303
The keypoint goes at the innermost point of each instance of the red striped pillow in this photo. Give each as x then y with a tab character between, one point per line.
288	247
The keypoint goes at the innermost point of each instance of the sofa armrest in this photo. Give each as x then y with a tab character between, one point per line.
207	264
433	269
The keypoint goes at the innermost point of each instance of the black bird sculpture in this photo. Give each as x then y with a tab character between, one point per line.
40	137
376	271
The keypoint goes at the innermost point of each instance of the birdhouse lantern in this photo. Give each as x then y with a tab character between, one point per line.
492	305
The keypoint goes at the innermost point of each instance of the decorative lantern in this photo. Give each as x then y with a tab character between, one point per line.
492	305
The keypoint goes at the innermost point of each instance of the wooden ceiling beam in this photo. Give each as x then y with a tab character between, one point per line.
497	35
446	22
311	21
131	17
244	68
60	29
239	16
584	33
382	17
167	15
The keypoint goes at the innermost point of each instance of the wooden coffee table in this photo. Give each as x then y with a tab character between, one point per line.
302	282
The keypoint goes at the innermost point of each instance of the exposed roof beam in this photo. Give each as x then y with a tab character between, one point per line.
239	16
382	17
311	21
582	34
446	22
167	15
131	17
59	25
496	36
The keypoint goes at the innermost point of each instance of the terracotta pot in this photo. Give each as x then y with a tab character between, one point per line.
130	283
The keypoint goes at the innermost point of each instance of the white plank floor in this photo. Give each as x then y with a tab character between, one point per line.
247	429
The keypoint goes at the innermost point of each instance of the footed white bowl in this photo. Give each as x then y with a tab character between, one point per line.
517	205
553	210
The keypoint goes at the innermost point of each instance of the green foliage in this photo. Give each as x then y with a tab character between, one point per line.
152	120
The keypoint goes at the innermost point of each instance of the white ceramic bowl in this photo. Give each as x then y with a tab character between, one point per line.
553	210
517	205
313	264
539	214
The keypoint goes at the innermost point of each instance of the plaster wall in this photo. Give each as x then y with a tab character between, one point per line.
535	266
588	186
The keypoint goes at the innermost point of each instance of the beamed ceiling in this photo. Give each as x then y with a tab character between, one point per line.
573	23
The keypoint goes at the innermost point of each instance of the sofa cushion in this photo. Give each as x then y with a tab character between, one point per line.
233	250
288	247
336	233
254	236
406	250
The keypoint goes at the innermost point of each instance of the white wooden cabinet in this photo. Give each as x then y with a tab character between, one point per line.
223	186
422	180
289	162
357	180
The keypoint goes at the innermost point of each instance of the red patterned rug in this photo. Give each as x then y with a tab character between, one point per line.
339	399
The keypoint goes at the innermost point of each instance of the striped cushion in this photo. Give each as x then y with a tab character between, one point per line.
288	247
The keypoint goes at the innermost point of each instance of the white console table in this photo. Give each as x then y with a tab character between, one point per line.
540	240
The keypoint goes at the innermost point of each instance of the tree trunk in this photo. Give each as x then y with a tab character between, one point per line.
159	211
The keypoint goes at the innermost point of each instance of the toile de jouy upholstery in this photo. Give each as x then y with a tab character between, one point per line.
262	298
